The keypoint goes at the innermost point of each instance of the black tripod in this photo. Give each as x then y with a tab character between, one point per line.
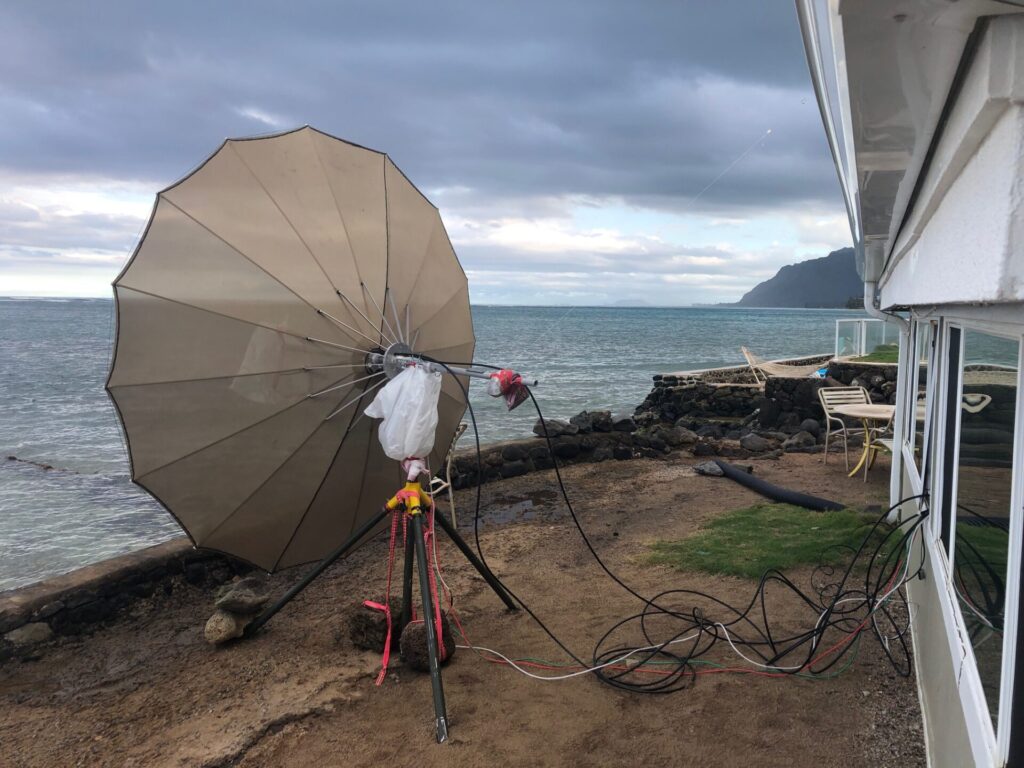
411	500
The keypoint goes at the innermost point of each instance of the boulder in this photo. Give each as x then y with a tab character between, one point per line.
623	424
582	422
224	626
413	645
709	468
555	428
677	436
603	453
810	425
705	448
601	421
801	441
622	452
245	597
756	443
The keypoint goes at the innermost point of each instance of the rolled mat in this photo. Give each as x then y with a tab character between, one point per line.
777	492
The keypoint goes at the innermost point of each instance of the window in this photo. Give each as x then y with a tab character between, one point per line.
985	404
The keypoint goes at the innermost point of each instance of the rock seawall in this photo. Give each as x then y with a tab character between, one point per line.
78	602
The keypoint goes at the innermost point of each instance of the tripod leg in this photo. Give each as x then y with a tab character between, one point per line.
253	627
406	584
482	569
440	712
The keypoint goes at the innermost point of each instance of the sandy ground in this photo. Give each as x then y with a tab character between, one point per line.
149	691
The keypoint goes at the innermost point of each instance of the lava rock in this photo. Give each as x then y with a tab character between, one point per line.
674	436
622	452
413	645
603	453
810	425
555	428
601	421
582	422
709	468
755	443
624	424
245	597
704	448
801	441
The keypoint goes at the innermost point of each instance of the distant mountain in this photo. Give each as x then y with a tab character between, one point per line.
830	281
630	303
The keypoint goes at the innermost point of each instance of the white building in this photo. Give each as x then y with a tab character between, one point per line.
923	105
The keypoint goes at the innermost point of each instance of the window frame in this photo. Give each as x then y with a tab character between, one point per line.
997	733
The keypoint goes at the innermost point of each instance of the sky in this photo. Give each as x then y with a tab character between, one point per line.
583	152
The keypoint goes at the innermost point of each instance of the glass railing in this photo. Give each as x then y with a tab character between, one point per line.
874	339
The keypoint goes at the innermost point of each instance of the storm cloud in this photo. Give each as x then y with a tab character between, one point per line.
503	113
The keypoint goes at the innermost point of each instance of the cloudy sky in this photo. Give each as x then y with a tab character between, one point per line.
580	152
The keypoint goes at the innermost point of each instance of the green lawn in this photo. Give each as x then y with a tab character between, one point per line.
883	353
747	542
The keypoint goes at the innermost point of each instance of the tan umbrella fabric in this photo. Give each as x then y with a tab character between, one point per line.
243	322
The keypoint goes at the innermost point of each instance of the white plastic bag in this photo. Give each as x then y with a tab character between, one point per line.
408	406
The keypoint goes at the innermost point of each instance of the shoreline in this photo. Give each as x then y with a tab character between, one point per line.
725	423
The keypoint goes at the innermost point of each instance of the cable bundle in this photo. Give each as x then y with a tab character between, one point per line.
682	629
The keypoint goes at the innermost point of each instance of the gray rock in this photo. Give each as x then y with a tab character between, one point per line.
704	448
603	453
224	626
582	422
246	597
755	443
675	436
623	424
30	634
601	421
708	468
789	422
622	452
801	441
555	427
810	425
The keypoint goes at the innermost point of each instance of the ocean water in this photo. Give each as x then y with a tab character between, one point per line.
54	356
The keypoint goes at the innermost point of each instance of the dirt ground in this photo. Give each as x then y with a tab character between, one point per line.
150	692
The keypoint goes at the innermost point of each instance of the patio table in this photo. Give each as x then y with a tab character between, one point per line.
869	414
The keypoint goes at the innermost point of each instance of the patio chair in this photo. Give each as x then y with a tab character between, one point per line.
830	397
440	484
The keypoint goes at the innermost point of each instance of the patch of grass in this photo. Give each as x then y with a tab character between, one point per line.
747	542
883	353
